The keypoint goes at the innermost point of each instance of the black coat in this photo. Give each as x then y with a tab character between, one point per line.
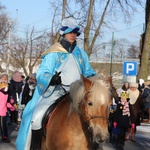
15	88
123	121
26	96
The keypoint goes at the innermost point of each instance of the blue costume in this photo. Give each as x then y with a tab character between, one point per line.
52	60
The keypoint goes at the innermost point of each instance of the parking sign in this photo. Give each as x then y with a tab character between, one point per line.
130	68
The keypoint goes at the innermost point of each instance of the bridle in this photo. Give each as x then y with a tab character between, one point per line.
87	122
92	117
85	114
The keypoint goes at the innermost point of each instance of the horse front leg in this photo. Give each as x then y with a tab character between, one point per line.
100	146
43	144
97	146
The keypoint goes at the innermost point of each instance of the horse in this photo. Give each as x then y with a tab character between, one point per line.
80	119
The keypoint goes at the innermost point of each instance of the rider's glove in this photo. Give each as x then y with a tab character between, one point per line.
56	79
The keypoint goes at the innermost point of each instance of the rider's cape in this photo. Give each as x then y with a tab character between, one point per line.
53	58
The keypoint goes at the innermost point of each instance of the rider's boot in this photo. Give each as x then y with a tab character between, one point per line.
36	139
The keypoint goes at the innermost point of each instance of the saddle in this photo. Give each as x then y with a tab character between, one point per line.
48	113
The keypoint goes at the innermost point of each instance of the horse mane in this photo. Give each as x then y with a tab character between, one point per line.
99	86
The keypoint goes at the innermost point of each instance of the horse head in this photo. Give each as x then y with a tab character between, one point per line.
94	107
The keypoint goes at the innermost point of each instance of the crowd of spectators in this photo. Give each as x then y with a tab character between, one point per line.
15	92
131	109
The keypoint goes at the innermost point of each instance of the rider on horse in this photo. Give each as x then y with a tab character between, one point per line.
63	63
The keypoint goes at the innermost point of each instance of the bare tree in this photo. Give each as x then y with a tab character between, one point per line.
4	30
87	45
55	36
96	15
26	53
133	51
120	48
4	27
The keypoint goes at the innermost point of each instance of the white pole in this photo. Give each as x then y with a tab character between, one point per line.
8	51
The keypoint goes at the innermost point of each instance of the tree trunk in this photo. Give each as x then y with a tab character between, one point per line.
88	46
143	70
87	28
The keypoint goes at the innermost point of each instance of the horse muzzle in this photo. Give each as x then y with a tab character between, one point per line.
100	138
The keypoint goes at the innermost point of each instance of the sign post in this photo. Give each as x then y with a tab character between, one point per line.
130	71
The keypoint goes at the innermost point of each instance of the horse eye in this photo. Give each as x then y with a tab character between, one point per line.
90	103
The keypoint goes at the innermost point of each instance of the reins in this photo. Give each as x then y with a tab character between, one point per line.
87	123
102	117
93	117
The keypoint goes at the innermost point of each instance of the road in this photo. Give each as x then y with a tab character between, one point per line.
142	140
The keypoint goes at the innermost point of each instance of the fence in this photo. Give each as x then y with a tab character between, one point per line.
114	60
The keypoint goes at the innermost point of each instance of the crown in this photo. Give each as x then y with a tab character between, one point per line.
124	95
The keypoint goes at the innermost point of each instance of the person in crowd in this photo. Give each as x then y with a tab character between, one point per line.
28	89
112	109
4	105
123	117
146	98
124	87
141	85
26	95
23	78
15	89
137	106
63	63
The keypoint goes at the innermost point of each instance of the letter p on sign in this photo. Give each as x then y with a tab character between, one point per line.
130	68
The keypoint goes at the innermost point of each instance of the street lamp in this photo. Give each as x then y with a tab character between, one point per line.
112	49
8	51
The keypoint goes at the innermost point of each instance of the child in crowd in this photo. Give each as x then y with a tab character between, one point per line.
3	107
123	118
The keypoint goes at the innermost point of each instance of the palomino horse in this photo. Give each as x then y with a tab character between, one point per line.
80	120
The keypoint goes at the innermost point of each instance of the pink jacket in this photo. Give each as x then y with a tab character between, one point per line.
4	104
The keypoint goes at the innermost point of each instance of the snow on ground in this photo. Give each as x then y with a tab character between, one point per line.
143	134
144	127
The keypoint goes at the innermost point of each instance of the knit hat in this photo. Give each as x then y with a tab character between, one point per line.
3	74
17	76
134	85
70	25
3	83
33	75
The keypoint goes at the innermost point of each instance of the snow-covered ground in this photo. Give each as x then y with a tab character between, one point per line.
144	127
143	134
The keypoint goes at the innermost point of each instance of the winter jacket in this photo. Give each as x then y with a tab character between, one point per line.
124	121
3	103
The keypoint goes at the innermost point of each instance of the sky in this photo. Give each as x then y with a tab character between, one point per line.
37	13
29	13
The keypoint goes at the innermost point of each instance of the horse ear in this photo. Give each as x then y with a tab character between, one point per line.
87	83
109	80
